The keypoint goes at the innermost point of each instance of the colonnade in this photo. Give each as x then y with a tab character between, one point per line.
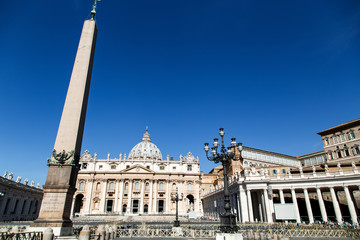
252	200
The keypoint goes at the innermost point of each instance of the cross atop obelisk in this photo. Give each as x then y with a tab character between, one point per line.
59	187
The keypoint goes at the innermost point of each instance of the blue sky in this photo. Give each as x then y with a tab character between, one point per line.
272	73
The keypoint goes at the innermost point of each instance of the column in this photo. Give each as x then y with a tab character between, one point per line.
350	206
73	206
282	199
308	206
197	201
142	193
251	213
151	209
267	205
89	196
155	197
103	197
182	208
293	195
116	203
128	209
167	198
122	181
243	206
336	205
238	206
322	205
261	206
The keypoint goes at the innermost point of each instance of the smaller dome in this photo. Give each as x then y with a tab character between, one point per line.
145	149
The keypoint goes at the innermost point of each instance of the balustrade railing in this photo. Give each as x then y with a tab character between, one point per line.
21	236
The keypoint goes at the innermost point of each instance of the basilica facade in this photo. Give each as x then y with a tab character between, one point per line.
264	186
139	183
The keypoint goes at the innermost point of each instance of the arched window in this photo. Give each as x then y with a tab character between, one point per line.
124	208
137	186
147	186
111	186
161	186
126	186
146	208
81	186
174	186
98	186
189	186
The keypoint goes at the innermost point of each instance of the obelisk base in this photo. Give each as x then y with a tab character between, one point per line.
57	201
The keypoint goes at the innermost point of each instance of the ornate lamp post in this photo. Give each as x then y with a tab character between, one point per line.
225	155
175	197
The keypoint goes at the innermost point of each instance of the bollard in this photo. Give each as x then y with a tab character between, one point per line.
256	235
111	233
107	233
268	236
101	232
85	233
262	236
114	232
275	236
48	234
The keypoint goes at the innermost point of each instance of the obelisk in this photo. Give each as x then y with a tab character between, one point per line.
59	187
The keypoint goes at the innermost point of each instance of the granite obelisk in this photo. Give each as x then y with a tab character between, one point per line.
59	187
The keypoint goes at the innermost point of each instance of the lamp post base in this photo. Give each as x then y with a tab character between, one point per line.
176	223
228	223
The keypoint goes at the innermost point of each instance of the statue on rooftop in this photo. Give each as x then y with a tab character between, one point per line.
18	179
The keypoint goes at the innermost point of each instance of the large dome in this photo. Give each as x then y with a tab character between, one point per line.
145	149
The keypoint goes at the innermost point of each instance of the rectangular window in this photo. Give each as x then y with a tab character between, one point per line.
283	171
189	167
113	166
174	168
330	156
335	140
84	165
342	137
351	135
127	166
162	168
100	166
347	152
274	171
148	167
326	141
356	150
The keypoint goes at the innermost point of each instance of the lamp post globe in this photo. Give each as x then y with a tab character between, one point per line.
225	156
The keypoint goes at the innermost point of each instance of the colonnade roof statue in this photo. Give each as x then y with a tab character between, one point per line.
145	149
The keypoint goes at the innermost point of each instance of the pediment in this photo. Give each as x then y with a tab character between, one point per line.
137	169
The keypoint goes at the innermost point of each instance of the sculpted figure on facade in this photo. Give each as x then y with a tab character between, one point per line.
26	181
32	183
326	168
339	167
11	175
5	174
353	164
